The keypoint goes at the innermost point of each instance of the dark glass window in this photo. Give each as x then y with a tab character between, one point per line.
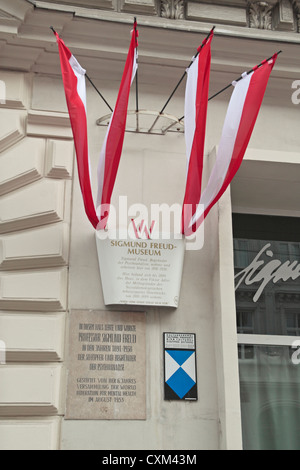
267	277
267	274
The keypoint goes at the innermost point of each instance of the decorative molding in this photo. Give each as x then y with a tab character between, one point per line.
30	434
21	164
55	125
16	8
17	54
44	247
143	7
99	4
59	159
30	390
172	9
16	88
34	50
35	207
213	13
288	297
243	295
12	14
35	291
284	19
37	204
4	15
32	337
260	14
12	127
281	15
296	5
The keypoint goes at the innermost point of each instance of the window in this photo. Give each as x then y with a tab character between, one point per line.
245	321
292	322
267	277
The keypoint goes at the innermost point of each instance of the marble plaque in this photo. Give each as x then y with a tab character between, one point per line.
106	366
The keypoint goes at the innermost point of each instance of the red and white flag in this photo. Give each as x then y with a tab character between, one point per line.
239	123
196	101
112	148
75	90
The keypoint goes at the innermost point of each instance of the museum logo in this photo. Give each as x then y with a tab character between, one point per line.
143	229
296	94
160	222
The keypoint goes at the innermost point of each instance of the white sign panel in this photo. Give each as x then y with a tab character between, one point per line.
180	366
179	341
141	272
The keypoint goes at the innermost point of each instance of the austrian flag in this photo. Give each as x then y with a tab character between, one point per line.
75	90
196	102
240	120
112	148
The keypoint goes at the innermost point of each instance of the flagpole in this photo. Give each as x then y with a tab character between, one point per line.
240	78
94	86
99	93
230	84
181	79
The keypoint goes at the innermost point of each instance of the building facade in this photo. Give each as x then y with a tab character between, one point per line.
247	370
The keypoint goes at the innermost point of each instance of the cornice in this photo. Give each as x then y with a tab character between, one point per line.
277	15
98	38
15	9
12	14
230	27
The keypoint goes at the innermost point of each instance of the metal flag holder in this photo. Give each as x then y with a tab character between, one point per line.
141	122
